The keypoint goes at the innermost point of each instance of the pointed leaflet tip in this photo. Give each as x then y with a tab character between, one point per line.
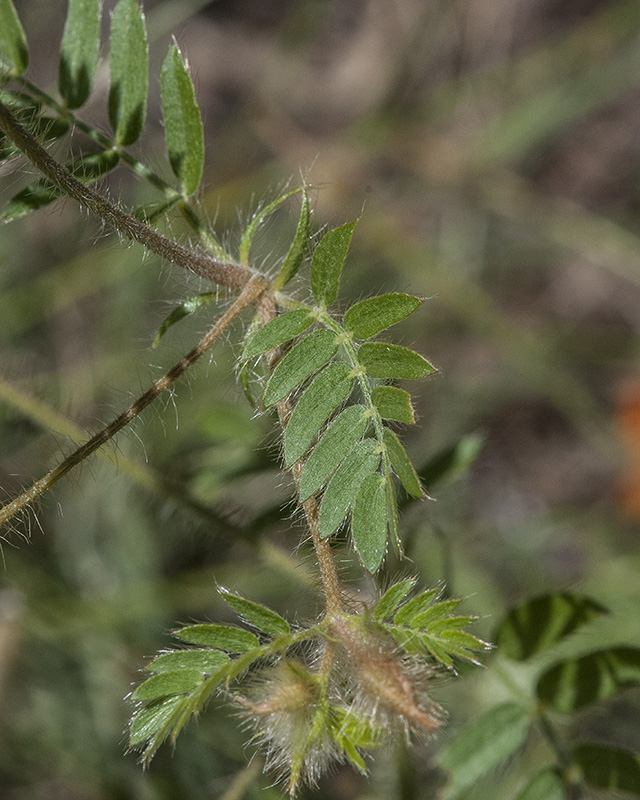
327	263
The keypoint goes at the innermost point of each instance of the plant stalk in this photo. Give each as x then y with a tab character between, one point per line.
233	276
249	295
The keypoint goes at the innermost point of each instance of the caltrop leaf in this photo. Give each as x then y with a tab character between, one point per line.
344	486
205	661
391	599
13	42
575	683
609	768
129	72
393	403
402	464
327	263
375	314
278	331
175	682
300	362
382	360
537	624
80	50
153	718
417	605
369	521
224	637
182	122
42	192
298	247
488	741
343	433
261	617
327	391
185	309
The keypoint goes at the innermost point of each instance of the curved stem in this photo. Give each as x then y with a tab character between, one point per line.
231	275
250	295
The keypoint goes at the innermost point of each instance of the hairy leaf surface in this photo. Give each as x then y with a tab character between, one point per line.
327	391
375	314
300	362
174	682
393	403
402	464
183	130
224	637
382	360
343	487
261	617
205	661
391	599
278	331
327	263
343	433
369	521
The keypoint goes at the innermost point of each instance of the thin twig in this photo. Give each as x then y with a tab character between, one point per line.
249	295
233	276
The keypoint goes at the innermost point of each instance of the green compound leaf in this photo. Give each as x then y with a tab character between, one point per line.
13	42
369	521
402	464
343	433
261	617
382	360
182	122
393	403
327	263
205	661
185	309
129	72
327	391
488	741
155	719
300	362
537	624
343	487
545	784
298	247
609	768
256	221
375	314
42	192
391	599
223	637
453	461
80	50
278	331
176	682
416	606
575	683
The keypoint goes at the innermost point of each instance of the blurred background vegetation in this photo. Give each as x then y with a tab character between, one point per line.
493	149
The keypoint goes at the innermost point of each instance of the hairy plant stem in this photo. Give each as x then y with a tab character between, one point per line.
249	295
231	275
